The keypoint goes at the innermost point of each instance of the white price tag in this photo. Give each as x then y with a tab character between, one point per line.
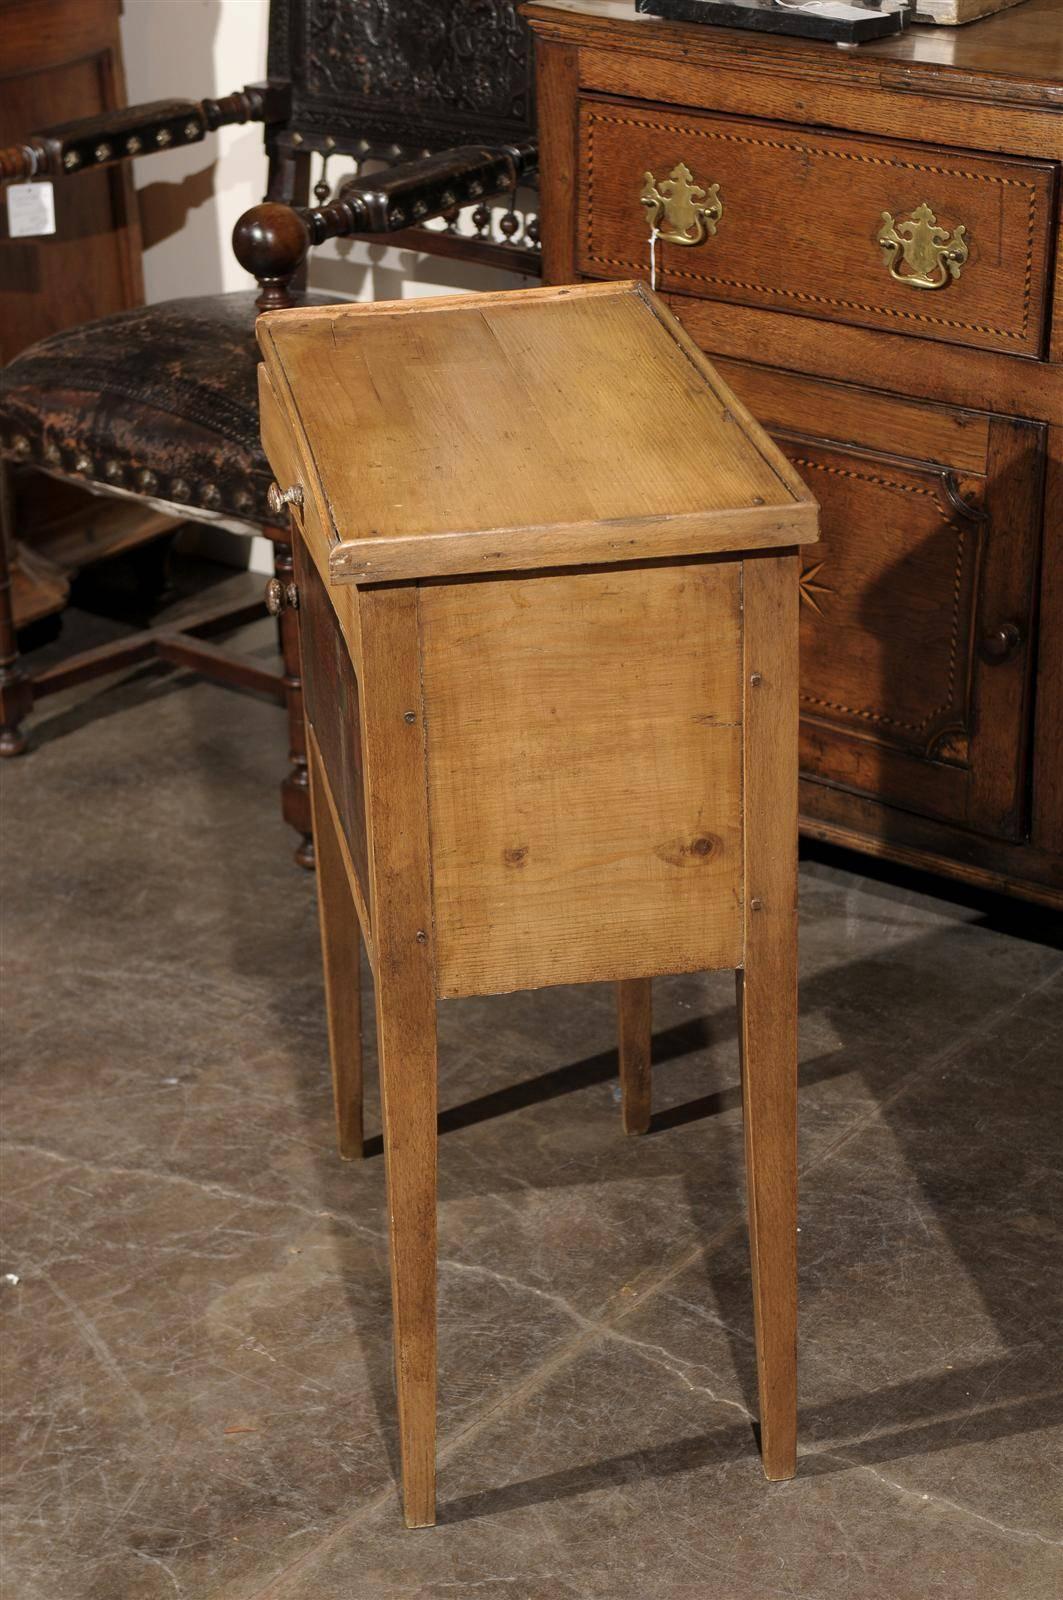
30	209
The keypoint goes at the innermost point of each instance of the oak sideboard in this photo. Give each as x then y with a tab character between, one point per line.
866	244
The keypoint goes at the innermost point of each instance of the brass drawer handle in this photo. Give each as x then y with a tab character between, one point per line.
680	210
931	255
277	498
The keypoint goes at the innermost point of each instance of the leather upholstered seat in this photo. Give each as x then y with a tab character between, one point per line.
160	402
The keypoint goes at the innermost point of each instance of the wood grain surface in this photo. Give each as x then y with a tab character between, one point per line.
394	756
767	993
447	442
801	216
583	780
341	956
332	702
918	743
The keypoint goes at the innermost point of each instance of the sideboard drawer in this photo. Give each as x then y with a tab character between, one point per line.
777	217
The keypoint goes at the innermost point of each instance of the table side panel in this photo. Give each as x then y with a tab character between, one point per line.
333	709
584	747
289	469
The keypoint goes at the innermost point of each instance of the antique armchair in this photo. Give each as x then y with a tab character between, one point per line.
430	103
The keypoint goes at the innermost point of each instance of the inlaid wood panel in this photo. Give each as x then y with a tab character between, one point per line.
801	219
584	763
904	695
888	602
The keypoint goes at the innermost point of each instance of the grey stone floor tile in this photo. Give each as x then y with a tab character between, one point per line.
622	1478
932	1406
198	1388
202	1376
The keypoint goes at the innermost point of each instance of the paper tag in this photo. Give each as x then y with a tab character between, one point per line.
832	10
30	209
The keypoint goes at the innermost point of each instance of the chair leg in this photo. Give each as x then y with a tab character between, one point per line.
295	790
634	1012
341	948
16	689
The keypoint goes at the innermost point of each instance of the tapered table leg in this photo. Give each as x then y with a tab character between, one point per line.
404	970
406	1036
341	952
767	993
634	1015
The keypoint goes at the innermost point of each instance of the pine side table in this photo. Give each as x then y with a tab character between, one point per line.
546	581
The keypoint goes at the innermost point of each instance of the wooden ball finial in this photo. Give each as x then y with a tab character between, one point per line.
271	241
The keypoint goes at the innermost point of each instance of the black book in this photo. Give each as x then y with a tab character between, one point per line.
769	16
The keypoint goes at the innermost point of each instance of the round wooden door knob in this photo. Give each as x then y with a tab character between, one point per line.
277	498
281	596
1000	643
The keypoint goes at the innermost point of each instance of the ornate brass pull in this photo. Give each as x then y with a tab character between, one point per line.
931	255
680	209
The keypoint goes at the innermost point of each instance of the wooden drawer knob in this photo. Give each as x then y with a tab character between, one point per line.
277	498
999	644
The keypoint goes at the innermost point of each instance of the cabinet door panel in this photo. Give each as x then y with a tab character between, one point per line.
915	609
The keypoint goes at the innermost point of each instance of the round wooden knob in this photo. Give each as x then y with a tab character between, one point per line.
270	241
277	498
1000	643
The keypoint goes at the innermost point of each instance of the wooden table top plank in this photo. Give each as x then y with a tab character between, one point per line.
495	430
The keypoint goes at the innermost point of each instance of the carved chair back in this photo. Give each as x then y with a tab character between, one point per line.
386	82
423	73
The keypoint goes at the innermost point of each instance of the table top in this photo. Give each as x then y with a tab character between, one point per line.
524	429
1023	43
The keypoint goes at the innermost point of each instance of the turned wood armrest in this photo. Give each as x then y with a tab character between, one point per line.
133	131
271	241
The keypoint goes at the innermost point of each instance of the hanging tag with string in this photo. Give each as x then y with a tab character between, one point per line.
654	236
30	206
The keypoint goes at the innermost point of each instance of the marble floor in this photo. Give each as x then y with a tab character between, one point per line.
197	1389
